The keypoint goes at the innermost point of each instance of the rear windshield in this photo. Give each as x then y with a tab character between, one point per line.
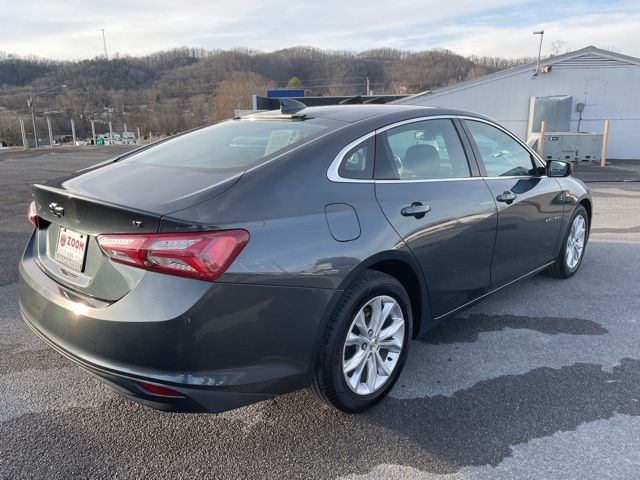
233	145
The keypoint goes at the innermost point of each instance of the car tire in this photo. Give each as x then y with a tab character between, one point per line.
344	344
566	266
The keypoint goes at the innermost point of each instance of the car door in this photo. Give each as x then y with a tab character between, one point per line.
433	196
529	212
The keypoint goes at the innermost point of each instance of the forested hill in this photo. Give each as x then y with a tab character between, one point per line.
181	88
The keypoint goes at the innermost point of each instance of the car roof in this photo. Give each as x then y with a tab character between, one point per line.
357	113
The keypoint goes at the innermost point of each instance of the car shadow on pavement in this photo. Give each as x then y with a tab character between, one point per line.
479	425
295	436
467	329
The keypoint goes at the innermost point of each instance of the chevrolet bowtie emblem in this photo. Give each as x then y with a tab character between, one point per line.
55	209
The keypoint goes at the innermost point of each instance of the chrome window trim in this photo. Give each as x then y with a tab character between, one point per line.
414	120
458	179
332	172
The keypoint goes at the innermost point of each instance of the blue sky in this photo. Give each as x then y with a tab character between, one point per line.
71	29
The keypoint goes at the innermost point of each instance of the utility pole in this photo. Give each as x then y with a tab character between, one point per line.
33	117
25	144
368	87
73	131
104	44
541	33
93	132
50	132
32	107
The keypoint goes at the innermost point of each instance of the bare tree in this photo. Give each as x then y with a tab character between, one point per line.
235	93
182	88
611	48
556	47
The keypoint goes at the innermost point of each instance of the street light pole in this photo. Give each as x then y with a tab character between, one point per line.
541	33
104	44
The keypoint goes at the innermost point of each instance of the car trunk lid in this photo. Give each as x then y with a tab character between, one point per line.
144	187
78	209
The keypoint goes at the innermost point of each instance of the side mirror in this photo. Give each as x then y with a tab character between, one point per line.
558	168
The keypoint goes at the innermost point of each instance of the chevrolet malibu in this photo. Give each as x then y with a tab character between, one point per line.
289	249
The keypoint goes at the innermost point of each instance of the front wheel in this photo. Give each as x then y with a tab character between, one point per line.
365	345
573	246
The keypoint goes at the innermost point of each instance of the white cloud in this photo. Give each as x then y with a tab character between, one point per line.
70	29
604	30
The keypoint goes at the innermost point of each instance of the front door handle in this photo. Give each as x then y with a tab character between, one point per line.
416	209
506	197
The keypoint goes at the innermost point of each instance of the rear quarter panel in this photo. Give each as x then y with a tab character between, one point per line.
282	205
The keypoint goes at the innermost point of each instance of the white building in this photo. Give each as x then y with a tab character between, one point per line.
607	83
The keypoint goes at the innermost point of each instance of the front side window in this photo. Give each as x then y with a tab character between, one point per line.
502	155
429	149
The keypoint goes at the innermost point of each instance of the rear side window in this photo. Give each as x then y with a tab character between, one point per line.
502	155
357	163
429	149
234	145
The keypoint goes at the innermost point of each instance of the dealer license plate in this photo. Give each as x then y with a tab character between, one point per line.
71	248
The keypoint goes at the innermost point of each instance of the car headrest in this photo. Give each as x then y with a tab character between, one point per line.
422	160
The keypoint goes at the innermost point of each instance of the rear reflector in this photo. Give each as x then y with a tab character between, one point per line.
158	390
203	255
33	214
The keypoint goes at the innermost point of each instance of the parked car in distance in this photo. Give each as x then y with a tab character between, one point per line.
289	249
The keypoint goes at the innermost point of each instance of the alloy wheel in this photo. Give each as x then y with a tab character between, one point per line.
373	345
575	242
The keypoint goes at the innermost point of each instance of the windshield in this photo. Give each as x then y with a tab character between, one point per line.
232	145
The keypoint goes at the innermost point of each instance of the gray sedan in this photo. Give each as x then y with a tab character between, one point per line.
290	249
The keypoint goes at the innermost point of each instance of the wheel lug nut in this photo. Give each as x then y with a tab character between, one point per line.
370	332
364	346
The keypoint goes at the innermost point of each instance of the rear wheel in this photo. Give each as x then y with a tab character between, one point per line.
365	345
573	246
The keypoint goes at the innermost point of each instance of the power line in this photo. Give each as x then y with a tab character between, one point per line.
28	90
319	79
347	85
14	89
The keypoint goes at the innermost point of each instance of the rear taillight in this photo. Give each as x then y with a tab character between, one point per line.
32	215
203	255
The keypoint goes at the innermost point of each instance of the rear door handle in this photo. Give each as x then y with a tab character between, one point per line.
416	209
506	197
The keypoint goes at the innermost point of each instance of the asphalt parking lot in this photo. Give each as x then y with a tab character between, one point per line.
541	380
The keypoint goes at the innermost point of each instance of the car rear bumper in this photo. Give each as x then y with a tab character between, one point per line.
218	345
128	385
